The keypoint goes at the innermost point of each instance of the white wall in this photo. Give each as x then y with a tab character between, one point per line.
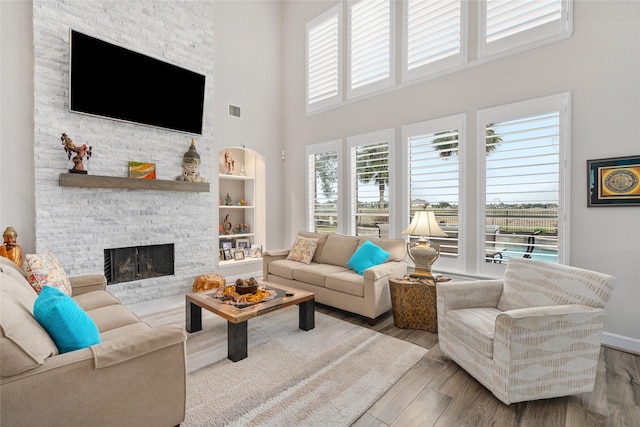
248	74
599	65
17	184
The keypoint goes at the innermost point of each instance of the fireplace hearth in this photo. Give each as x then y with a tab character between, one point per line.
138	263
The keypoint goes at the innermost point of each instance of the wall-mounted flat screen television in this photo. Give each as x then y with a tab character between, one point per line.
110	81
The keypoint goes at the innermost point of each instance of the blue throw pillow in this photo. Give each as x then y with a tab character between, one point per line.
368	255
67	324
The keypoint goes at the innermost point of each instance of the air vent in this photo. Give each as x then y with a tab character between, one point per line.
234	110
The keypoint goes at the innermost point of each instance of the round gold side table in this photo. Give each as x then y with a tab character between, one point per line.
413	302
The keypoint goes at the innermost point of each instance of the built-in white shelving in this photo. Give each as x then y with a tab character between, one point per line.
245	186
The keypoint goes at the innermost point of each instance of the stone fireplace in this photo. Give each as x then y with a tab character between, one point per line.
78	224
138	263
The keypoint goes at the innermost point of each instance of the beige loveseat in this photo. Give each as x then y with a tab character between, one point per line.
135	376
334	283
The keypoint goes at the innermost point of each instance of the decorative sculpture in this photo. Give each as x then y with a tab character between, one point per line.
226	225
229	163
191	165
11	249
241	229
81	152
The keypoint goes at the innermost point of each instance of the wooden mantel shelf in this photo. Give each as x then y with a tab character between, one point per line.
96	181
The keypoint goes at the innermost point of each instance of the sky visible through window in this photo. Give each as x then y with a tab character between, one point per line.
524	168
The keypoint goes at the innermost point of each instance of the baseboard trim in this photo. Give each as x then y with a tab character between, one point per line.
620	342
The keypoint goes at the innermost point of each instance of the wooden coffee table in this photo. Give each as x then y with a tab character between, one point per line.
237	318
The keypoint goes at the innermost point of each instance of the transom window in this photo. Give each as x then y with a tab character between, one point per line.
508	25
435	37
324	59
370	31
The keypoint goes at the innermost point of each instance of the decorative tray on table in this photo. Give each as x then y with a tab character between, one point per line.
245	293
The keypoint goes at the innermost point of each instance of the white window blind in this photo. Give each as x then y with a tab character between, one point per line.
515	25
323	58
323	191
508	17
523	185
434	177
433	31
370	29
370	188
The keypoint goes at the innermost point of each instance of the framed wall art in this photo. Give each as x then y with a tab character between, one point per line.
142	170
614	181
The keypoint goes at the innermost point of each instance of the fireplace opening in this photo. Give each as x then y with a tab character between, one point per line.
138	262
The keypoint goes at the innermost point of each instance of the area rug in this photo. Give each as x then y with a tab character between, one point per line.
328	376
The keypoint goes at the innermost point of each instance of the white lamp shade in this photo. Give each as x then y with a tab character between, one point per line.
424	223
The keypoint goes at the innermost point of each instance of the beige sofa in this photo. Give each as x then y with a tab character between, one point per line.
135	376
334	283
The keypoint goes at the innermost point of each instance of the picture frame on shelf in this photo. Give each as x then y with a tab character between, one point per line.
142	170
221	254
256	251
243	243
238	255
226	244
614	181
227	255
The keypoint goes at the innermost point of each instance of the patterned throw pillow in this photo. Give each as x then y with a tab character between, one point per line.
45	270
303	249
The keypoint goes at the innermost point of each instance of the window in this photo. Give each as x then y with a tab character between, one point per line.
324	59
507	25
370	46
323	187
433	174
525	185
432	36
435	37
370	158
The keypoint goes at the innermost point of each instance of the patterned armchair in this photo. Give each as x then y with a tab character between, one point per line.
534	334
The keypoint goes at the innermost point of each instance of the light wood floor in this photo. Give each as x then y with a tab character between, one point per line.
436	392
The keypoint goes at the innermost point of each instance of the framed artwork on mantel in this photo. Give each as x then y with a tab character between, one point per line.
614	181
142	170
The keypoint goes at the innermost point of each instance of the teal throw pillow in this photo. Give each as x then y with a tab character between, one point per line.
67	324
368	255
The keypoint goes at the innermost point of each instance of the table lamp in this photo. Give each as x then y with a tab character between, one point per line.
423	224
